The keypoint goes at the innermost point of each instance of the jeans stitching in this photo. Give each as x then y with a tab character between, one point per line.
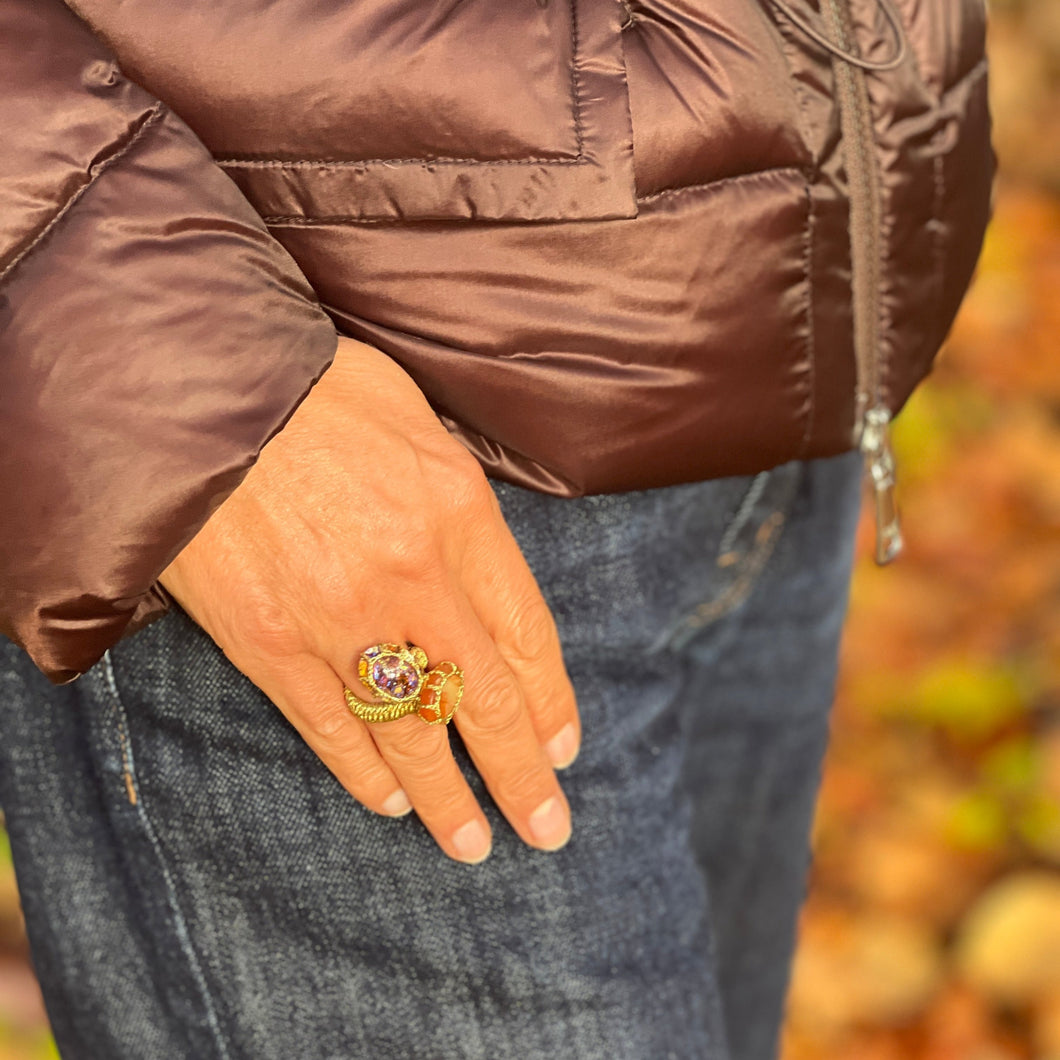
739	589
743	512
136	799
676	634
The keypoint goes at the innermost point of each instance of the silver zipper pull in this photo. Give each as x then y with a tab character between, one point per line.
879	464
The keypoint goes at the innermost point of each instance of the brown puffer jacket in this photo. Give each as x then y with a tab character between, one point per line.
618	245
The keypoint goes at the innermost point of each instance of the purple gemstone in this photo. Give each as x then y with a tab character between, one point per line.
395	677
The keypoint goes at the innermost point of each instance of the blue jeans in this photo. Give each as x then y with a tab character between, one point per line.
197	885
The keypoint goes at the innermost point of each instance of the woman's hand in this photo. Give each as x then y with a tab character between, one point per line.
365	522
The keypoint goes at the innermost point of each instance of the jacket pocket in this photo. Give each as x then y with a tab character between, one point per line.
516	115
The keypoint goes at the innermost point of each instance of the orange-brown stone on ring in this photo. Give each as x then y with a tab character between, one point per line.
440	694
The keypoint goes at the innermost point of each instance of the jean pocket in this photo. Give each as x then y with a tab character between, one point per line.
742	551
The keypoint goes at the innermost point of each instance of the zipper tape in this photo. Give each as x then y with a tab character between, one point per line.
872	416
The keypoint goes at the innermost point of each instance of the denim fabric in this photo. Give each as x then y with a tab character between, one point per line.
197	885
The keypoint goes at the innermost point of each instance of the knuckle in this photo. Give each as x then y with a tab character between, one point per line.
467	490
422	752
500	717
531	635
411	555
329	724
342	744
372	783
337	733
268	626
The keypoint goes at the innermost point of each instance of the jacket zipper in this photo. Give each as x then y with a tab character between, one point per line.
872	417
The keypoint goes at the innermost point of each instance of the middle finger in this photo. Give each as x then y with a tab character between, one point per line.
496	728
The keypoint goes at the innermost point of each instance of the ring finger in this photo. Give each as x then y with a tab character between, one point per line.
420	775
421	758
497	730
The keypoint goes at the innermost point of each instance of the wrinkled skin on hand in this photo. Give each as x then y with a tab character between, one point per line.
364	522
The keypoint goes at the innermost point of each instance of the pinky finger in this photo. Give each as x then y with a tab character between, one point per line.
310	695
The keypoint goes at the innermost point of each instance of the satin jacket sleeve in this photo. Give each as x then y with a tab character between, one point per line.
153	337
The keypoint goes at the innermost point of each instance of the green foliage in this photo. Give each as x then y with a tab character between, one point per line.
977	822
968	698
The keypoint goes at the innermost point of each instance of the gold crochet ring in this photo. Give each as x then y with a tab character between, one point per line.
398	674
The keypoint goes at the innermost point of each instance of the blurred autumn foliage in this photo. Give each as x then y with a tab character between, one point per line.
23	1025
932	928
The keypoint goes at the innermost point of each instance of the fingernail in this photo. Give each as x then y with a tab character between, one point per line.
549	825
472	842
397	805
562	749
